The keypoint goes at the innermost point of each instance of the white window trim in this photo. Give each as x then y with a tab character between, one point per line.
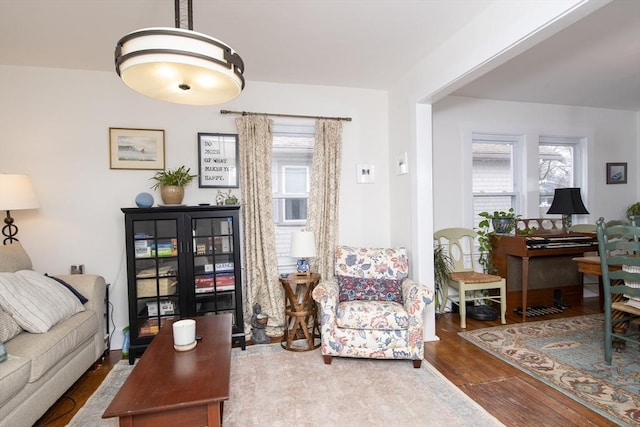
529	161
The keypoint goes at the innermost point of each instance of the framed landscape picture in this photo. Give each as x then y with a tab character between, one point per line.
616	173
136	148
218	165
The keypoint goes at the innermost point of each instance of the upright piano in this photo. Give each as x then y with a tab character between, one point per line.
539	263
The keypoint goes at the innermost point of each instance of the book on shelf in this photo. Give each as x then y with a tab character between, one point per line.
142	249
225	227
204	281
217	288
225	279
149	248
222	244
224	267
219	279
150	326
151	272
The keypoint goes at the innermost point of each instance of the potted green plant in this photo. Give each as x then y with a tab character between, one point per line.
498	222
172	183
633	212
442	266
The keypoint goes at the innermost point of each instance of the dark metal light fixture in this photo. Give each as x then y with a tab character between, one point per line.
567	201
179	65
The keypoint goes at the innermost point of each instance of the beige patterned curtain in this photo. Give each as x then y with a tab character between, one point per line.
261	263
324	194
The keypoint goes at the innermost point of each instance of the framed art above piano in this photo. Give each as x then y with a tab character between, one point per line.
540	262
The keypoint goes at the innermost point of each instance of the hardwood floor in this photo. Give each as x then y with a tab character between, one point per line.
510	395
513	397
66	407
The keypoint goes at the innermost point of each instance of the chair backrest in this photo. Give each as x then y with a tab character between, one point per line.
372	263
458	243
619	247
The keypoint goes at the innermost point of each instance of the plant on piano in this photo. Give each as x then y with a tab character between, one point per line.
633	212
498	222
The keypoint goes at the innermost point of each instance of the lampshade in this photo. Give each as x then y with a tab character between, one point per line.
180	66
303	244
567	201
16	193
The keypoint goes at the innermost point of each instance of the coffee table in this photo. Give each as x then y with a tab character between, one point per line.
172	388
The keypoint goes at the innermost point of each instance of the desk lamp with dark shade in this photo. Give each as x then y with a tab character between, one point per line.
303	247
567	201
16	193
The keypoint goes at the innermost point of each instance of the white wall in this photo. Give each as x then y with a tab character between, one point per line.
54	127
612	137
501	32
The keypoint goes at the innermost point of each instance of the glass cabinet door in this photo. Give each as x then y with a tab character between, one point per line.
156	274
213	265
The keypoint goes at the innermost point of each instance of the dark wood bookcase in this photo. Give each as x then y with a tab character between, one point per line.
182	261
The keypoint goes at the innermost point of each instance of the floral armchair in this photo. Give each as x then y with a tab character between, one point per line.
370	309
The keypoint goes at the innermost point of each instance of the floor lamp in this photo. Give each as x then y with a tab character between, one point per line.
16	193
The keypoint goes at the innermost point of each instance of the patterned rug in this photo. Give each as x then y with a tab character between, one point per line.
277	388
568	355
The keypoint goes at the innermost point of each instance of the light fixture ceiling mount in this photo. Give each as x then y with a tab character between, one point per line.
179	65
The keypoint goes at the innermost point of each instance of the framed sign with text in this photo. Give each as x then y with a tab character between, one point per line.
218	165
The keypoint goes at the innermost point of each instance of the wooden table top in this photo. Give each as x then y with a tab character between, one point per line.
165	378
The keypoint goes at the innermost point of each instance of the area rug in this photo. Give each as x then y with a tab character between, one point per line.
568	355
274	387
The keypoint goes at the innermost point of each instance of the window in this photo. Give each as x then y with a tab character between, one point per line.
295	191
494	179
499	167
558	160
291	181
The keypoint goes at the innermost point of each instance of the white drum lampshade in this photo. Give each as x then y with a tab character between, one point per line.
16	193
303	247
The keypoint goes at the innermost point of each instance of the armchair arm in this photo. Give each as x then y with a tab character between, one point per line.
326	294
415	298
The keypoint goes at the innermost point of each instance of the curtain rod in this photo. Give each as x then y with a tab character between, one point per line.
247	113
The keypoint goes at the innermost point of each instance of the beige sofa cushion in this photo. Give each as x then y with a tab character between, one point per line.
9	328
45	350
14	258
13	377
35	301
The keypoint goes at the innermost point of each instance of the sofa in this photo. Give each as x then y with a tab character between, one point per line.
40	366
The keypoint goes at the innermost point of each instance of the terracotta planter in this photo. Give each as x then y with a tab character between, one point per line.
171	194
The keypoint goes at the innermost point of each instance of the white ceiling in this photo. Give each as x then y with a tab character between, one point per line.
352	43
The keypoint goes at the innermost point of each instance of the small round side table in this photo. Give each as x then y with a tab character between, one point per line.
300	311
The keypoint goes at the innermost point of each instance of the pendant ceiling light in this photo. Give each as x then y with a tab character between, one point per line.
179	65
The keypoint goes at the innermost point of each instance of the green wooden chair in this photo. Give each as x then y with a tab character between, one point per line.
619	249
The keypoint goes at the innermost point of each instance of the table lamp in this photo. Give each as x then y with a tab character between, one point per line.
303	247
567	201
16	193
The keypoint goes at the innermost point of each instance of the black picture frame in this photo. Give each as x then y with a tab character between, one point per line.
616	173
218	161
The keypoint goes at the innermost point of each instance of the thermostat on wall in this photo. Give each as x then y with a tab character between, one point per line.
365	173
